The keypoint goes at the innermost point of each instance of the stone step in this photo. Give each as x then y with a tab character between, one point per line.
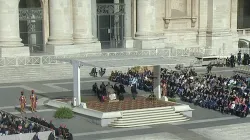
154	122
144	111
149	116
161	114
149	119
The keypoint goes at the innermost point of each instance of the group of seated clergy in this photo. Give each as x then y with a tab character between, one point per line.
109	91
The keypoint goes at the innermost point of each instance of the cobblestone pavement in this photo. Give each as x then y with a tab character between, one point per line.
205	124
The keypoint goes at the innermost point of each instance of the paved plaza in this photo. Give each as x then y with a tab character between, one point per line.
205	124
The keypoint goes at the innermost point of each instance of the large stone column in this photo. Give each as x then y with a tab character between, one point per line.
146	18
219	36
94	18
61	28
128	24
45	6
82	21
146	35
10	41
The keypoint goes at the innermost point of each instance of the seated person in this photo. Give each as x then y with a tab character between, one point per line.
111	93
116	89
93	72
102	71
122	88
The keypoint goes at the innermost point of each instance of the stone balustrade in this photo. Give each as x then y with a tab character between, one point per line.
244	32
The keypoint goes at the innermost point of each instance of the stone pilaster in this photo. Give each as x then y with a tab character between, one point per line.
146	35
202	23
10	41
82	22
219	36
234	18
61	28
128	24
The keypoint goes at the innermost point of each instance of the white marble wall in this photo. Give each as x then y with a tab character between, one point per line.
219	36
210	24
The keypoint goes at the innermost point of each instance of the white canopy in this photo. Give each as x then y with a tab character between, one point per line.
122	61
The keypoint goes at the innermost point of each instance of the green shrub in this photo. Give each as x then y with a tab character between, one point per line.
64	113
171	99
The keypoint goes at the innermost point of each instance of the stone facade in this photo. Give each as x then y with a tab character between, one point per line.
70	26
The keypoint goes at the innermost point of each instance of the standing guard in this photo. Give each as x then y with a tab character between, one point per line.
164	89
33	100
232	60
239	58
209	68
22	101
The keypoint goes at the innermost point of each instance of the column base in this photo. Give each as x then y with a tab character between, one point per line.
61	41
149	44
84	40
73	49
129	43
11	42
14	51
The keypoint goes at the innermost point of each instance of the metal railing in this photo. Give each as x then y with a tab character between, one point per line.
52	59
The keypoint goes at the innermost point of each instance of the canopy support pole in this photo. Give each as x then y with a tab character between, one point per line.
77	83
157	81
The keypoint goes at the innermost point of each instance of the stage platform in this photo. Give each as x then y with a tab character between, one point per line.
127	113
127	104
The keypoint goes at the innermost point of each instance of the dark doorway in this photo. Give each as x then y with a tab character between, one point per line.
110	23
31	24
243	14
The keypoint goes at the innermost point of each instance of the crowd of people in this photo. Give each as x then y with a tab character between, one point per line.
11	125
239	60
227	95
61	131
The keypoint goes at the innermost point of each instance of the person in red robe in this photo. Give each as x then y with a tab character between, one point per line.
33	100
22	101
